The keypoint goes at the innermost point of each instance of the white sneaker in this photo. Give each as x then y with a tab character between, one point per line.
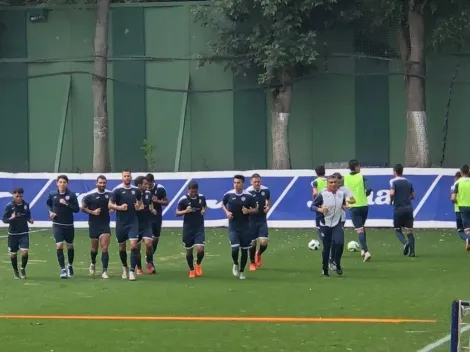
104	275
363	253
131	276
235	271
242	276
124	273
367	257
92	269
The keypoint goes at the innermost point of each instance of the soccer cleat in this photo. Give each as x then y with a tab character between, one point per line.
192	274
16	275
252	267
63	273
198	270
150	268
406	249
139	271
124	273
367	256
242	276
104	275
235	271
339	270
325	273
467	245
70	272
132	276
92	269
258	260
23	273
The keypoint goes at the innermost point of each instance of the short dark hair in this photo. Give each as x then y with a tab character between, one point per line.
256	175
337	175
18	190
239	177
101	177
149	177
63	177
398	168
465	170
458	174
126	170
353	163
320	170
139	180
332	177
193	185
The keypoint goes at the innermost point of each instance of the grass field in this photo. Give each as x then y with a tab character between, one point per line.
288	285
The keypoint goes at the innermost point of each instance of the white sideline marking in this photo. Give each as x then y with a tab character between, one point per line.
5	236
41	192
426	195
281	197
176	197
439	343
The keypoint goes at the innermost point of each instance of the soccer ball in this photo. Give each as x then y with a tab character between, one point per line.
353	246
314	245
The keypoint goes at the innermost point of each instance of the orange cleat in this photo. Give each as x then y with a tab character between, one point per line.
139	271
150	268
258	260
192	274
252	267
198	270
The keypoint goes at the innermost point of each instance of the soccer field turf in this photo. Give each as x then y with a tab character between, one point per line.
288	285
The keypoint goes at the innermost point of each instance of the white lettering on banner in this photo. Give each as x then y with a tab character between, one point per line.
213	204
381	197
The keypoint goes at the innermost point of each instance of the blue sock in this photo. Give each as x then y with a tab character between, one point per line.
411	241
400	236
462	235
363	241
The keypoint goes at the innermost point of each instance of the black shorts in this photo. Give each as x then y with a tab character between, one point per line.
63	233
95	231
17	242
259	229
458	221
359	216
403	218
127	232
145	233
157	225
194	237
240	238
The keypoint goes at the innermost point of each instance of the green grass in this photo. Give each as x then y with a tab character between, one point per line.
289	284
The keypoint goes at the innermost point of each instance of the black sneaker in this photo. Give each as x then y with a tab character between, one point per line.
325	273
17	275
23	273
339	270
406	249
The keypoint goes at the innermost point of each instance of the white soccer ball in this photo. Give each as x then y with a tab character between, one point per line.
353	246
314	245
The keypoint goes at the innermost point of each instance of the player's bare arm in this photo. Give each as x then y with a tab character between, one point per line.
112	205
85	209
267	205
412	195
228	214
391	195
152	209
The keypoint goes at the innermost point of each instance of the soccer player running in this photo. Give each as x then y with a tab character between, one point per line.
127	200
145	228
160	200
62	204
193	207
95	204
357	183
238	205
318	185
401	195
458	218
330	204
258	221
461	197
17	215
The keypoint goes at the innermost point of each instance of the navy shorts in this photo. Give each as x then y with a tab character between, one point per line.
359	216
193	237
17	242
240	238
96	231
458	221
63	233
465	216
259	229
145	232
157	225
403	218
127	232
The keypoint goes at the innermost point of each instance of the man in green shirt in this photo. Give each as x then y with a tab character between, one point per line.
357	183
461	197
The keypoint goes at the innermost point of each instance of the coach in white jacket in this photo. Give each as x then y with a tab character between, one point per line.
329	206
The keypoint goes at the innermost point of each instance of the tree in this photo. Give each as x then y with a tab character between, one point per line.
423	25
277	39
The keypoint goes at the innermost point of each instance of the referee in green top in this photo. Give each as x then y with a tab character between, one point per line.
461	197
357	183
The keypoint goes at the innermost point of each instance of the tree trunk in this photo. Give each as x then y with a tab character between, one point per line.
101	161
280	113
417	142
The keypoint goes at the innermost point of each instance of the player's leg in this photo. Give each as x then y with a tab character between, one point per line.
69	238
263	236
337	247
408	223
188	243
24	248
104	240
139	270
235	245
245	245
199	242
121	237
398	224
133	235
59	240
459	226
465	216
358	217
327	238
94	235
13	248
147	238
156	231
254	227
